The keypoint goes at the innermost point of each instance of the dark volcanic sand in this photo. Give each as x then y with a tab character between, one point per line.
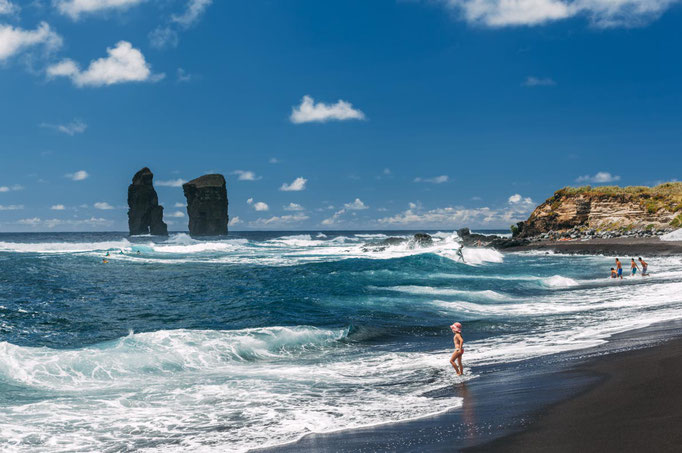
636	406
630	247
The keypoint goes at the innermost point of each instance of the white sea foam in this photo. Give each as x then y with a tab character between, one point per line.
568	321
282	251
176	390
672	236
558	281
371	236
431	291
63	247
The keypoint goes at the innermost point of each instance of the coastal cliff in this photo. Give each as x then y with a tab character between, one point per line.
207	205
605	212
145	215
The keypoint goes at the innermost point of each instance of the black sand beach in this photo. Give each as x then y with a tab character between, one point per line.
614	397
631	247
635	406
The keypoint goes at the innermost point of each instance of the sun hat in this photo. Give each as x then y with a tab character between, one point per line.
456	327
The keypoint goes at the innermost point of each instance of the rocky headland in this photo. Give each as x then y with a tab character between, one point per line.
145	215
207	205
605	213
593	220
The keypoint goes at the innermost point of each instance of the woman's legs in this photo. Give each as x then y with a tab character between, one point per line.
455	355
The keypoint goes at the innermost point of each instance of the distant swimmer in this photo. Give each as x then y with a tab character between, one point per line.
619	269
633	266
107	254
644	267
614	274
121	252
105	261
138	252
456	359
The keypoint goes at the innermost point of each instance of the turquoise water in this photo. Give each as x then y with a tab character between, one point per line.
258	339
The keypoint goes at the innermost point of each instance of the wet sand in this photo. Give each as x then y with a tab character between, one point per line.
597	399
636	405
628	247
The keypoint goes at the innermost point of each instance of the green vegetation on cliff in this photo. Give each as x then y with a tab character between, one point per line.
637	209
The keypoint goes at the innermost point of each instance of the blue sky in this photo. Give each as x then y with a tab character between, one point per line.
354	114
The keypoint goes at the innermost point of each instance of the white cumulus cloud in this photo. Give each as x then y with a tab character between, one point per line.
75	8
297	185
179	205
15	187
80	175
601	13
171	183
599	178
14	40
356	205
235	221
518	199
532	81
74	127
12	207
195	9
168	34
103	205
177	214
433	180
309	111
124	64
258	205
57	207
72	223
280	220
244	175
7	7
294	207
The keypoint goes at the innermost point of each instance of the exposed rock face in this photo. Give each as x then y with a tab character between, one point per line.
423	240
606	209
419	240
470	239
207	205
145	216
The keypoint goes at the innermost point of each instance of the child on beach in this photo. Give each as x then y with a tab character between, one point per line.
619	268
456	358
633	266
613	273
644	266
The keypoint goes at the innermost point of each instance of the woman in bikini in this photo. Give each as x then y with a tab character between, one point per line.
456	358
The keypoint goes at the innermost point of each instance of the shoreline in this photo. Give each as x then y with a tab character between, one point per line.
506	402
630	247
634	405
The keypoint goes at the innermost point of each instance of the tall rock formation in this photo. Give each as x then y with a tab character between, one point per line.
207	205
145	216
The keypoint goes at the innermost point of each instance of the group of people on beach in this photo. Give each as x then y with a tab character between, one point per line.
617	272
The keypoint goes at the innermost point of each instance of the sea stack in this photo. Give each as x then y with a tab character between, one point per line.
145	216
207	205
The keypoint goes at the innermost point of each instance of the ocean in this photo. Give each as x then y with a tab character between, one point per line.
257	339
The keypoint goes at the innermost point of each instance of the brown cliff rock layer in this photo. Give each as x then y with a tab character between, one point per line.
606	208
